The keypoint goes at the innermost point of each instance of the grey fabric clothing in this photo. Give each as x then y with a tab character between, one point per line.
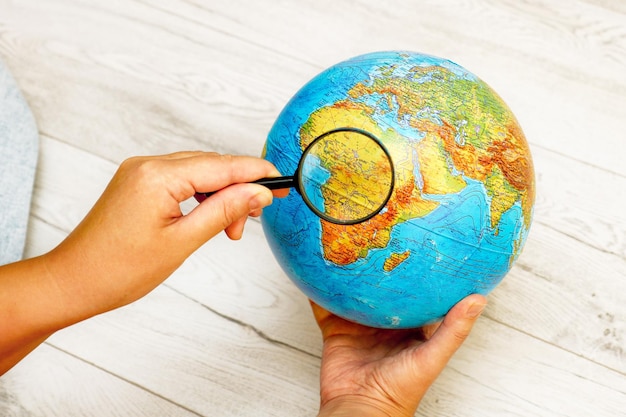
19	144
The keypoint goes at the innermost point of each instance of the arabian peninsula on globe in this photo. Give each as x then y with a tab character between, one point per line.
463	195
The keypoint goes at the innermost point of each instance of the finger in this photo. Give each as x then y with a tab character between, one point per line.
331	325
429	330
177	155
235	230
451	334
283	192
185	154
457	325
255	213
320	314
227	209
200	197
202	172
214	172
326	321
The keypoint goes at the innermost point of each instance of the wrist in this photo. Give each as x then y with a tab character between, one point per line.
30	309
78	285
361	406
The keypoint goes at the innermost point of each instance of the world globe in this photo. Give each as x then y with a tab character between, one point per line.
462	200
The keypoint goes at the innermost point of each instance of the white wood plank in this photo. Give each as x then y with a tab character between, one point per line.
498	372
180	350
581	201
52	383
569	294
124	94
242	281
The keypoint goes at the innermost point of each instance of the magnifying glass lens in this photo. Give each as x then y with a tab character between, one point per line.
346	176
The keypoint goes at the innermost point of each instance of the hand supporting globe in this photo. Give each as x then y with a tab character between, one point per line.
368	371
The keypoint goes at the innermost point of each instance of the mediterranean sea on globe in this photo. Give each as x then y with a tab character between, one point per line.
462	201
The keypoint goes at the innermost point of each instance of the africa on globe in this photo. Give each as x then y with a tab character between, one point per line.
462	199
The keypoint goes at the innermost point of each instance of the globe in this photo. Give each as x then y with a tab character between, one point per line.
462	199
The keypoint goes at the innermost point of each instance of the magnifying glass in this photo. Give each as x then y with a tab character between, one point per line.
345	176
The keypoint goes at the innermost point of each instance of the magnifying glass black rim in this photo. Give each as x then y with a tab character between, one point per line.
325	216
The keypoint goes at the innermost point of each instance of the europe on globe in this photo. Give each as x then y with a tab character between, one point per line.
462	199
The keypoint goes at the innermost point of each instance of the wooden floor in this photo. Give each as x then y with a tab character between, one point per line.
228	334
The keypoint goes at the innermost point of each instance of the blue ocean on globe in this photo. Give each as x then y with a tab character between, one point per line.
461	207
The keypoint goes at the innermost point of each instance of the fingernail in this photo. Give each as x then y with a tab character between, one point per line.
258	201
475	310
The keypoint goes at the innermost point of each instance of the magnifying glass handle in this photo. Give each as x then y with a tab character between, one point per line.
277	183
273	183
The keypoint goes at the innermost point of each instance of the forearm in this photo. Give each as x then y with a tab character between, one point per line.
72	283
30	309
41	295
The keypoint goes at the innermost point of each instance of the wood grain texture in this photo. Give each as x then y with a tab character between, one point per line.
56	384
228	334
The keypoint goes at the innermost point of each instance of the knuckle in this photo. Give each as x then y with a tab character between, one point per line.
141	170
229	212
460	335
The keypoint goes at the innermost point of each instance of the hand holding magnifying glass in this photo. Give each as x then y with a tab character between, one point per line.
345	176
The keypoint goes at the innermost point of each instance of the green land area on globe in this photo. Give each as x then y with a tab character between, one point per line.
461	206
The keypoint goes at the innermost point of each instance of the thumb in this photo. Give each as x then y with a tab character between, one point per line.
224	209
452	332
